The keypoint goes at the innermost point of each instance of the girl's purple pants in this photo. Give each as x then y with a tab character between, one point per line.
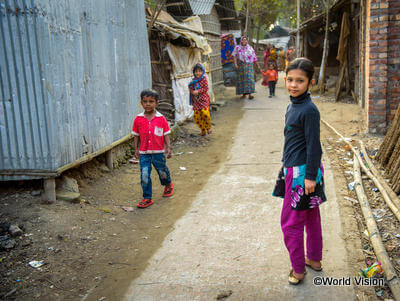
293	223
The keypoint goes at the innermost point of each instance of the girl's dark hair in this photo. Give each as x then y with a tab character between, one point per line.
149	93
303	64
197	67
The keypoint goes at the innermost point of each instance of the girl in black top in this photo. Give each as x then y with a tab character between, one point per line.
304	190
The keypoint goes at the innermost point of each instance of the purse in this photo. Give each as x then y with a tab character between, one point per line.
279	189
300	201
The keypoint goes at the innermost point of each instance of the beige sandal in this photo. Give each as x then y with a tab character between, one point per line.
311	267
293	280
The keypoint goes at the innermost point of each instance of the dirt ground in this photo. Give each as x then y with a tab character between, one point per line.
95	248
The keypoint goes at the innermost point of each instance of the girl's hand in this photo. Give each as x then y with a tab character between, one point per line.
137	155
309	186
236	66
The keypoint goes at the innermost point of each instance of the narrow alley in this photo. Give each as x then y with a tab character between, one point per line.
230	240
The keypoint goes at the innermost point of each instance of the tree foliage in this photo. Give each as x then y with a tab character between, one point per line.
288	13
262	12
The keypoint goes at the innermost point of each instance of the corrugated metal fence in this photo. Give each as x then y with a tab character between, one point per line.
70	76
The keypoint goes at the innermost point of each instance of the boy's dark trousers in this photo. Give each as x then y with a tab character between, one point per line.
271	86
159	163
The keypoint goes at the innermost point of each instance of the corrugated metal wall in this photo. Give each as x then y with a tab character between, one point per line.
70	76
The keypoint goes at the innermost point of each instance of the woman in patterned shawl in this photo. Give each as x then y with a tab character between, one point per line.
244	58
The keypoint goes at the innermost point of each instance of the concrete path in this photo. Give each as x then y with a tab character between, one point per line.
230	240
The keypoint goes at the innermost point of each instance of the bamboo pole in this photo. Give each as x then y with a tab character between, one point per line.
374	236
298	29
322	70
378	184
154	17
246	28
389	190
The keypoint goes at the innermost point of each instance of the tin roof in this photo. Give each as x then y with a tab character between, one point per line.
201	7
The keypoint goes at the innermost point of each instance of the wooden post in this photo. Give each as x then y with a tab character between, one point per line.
298	30
246	28
374	236
154	17
49	195
109	159
321	79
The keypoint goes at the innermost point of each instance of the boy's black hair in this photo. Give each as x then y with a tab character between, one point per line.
149	93
303	64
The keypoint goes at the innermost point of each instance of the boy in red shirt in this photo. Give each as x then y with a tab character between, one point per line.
152	130
272	77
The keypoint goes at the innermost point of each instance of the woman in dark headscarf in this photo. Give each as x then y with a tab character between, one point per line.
244	57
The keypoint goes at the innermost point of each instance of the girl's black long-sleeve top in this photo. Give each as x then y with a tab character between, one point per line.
302	135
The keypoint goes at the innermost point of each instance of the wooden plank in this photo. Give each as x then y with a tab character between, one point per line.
212	33
89	157
28	172
175	4
162	85
160	63
216	69
339	83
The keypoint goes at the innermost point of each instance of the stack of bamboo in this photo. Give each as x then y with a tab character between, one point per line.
389	152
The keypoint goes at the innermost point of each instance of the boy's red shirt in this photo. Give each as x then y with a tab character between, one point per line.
151	133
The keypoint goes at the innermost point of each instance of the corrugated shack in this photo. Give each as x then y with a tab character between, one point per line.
342	74
205	9
175	48
215	15
70	76
364	55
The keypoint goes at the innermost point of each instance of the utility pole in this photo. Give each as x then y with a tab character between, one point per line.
298	30
246	29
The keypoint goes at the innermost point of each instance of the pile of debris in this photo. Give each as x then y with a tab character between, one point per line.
8	235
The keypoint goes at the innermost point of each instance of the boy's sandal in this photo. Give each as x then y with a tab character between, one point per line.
145	203
293	280
169	190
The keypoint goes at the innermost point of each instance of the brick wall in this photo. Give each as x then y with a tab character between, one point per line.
383	93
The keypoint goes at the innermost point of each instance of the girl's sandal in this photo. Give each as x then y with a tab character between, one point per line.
313	268
293	280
